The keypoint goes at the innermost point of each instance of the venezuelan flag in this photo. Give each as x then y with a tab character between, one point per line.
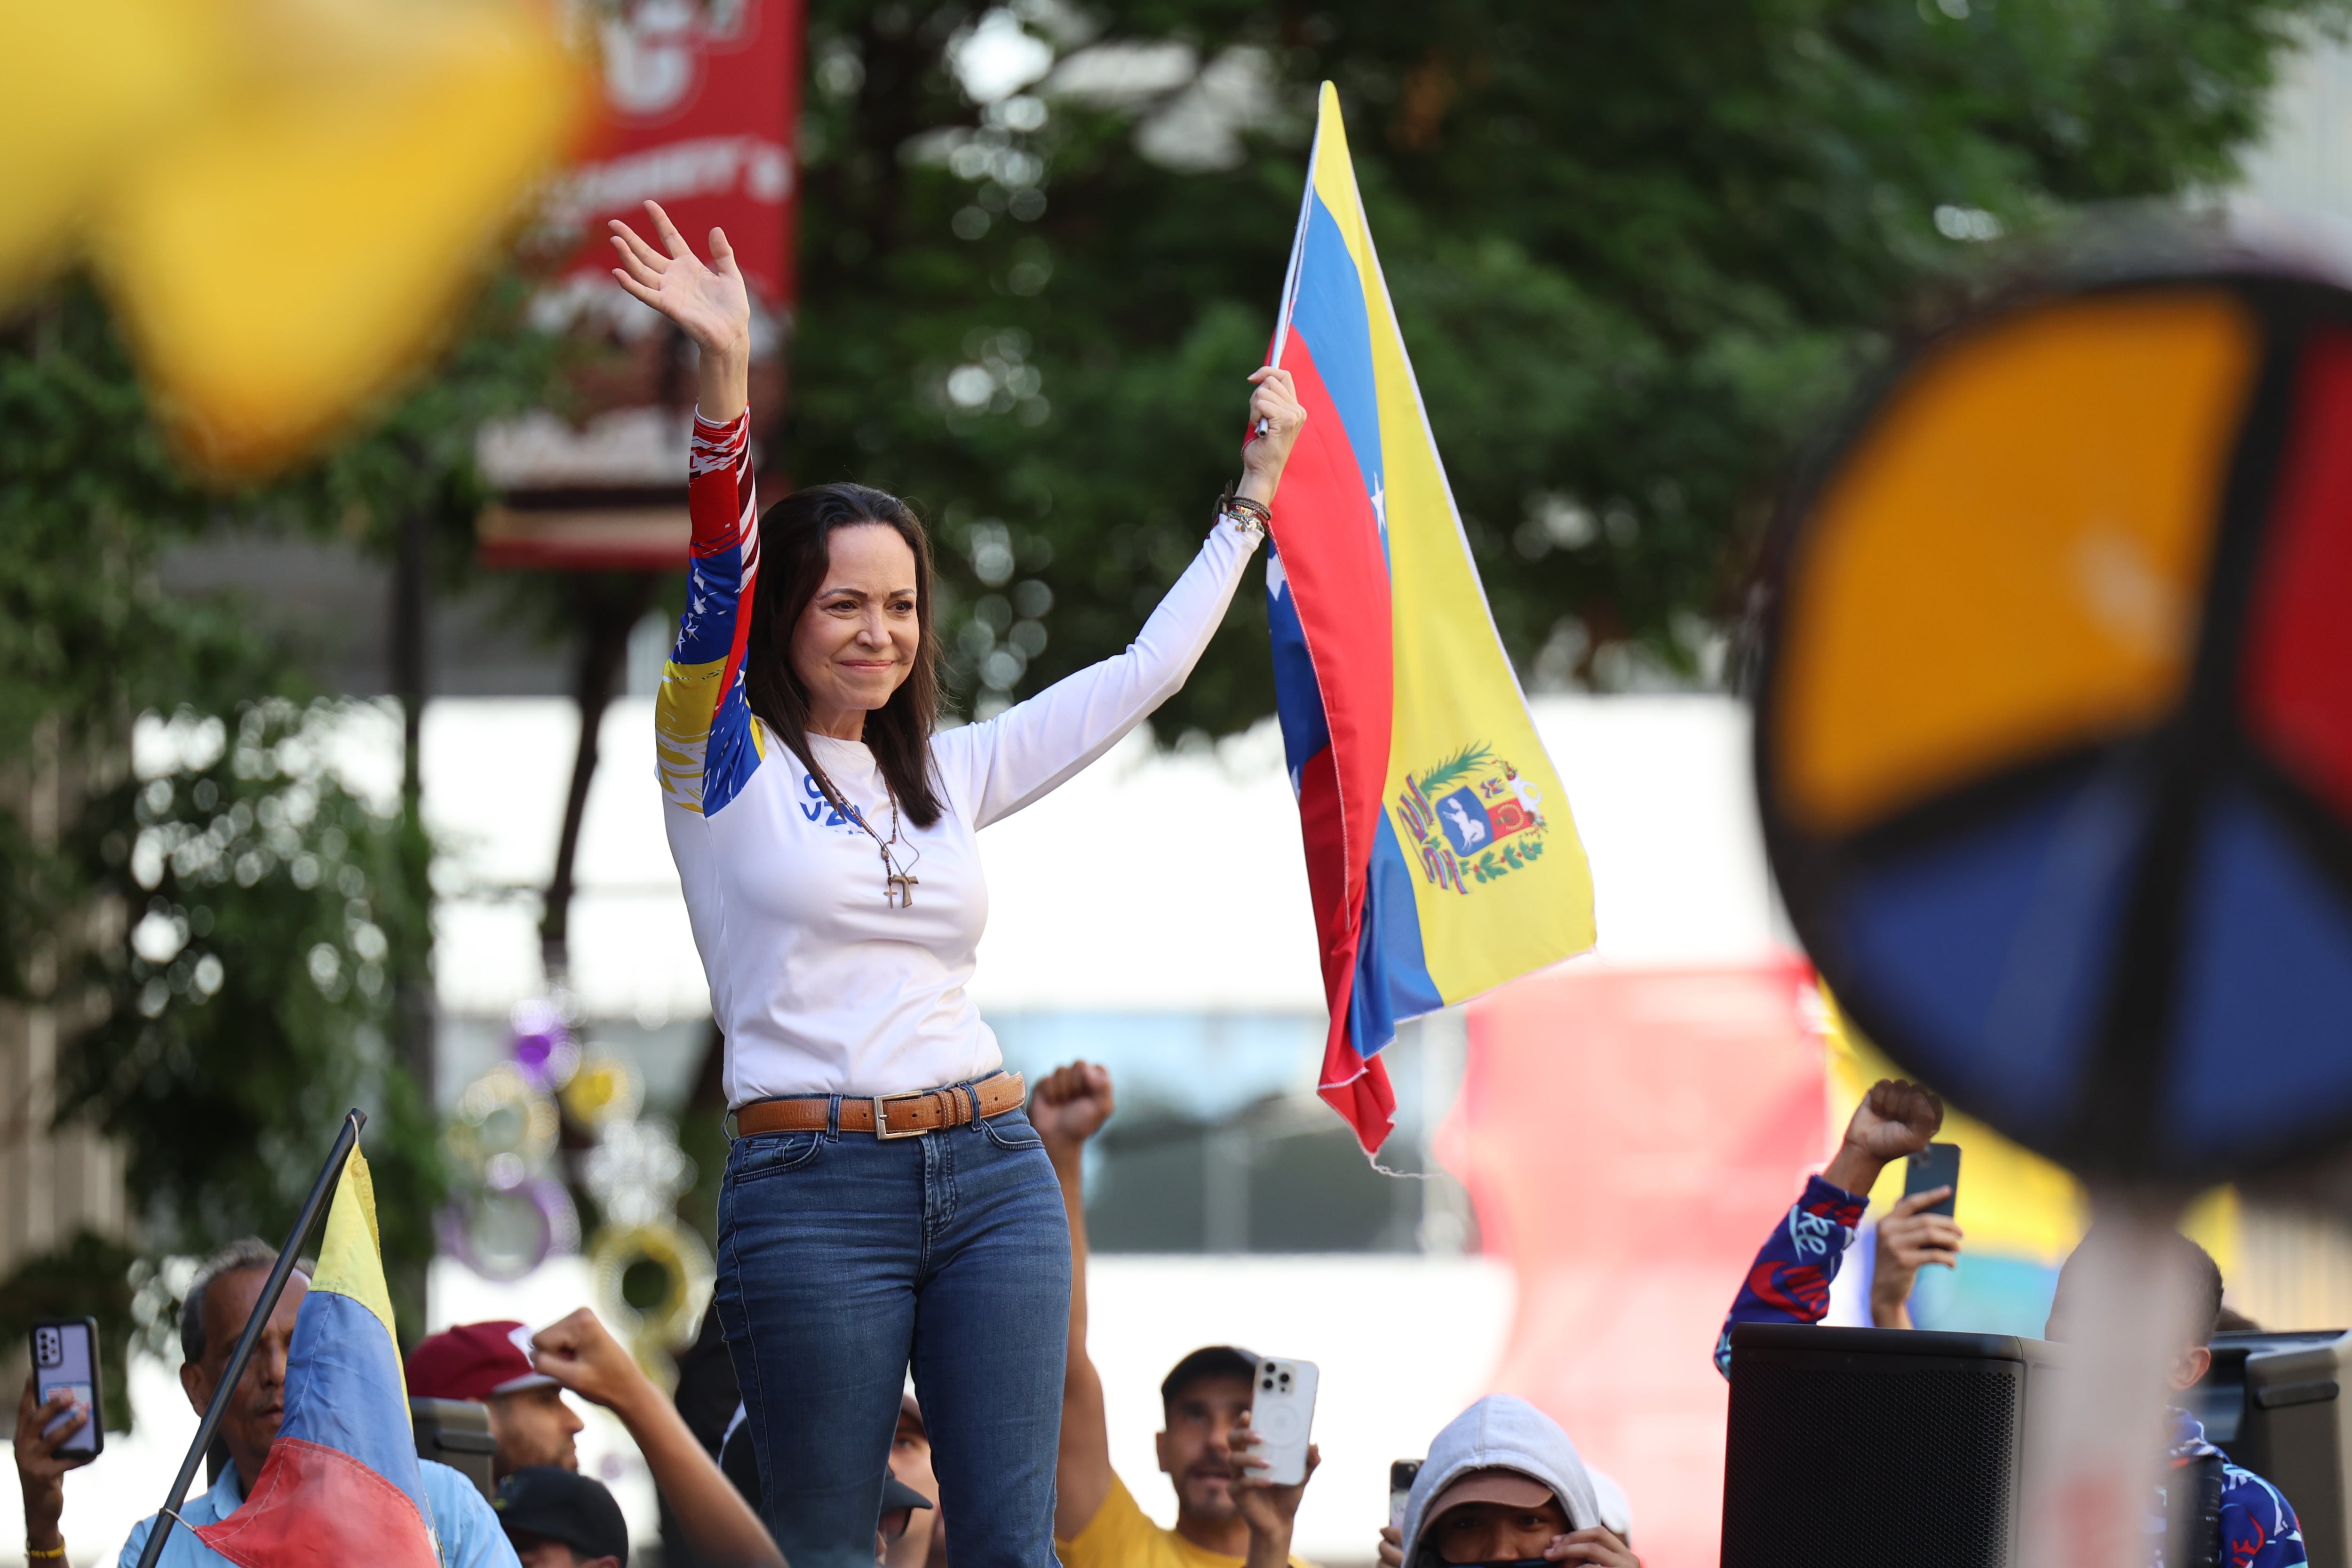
1441	854
342	1485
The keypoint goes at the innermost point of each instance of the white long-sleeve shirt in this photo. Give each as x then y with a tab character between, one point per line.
820	984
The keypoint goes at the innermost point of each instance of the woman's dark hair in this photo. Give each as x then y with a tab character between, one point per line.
795	551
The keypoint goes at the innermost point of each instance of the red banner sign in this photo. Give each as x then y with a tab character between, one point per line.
701	100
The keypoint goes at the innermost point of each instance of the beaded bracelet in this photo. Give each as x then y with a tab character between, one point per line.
1243	512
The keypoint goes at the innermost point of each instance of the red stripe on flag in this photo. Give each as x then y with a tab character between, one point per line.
1364	1098
1319	815
1338	575
316	1507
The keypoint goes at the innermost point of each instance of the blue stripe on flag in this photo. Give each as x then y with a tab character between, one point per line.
1297	696
1328	312
1392	974
343	1390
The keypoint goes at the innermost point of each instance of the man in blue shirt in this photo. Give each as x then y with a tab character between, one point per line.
220	1300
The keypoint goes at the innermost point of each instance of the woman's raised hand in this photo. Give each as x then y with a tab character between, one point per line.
1276	417
709	304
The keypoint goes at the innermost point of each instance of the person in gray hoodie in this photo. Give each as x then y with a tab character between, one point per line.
1503	1485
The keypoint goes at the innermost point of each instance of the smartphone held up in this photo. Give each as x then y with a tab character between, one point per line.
1282	1413
1936	1165
1402	1473
65	1361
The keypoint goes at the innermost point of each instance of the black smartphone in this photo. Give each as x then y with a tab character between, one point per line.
1400	1475
65	1360
1936	1165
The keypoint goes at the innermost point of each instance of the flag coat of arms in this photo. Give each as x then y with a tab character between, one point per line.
1441	854
341	1484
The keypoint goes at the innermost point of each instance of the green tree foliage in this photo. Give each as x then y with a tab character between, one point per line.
1638	248
220	934
265	901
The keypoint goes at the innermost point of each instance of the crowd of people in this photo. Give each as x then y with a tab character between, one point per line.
896	1207
1503	1483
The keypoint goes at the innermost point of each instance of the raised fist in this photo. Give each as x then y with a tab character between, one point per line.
1071	1105
1894	1120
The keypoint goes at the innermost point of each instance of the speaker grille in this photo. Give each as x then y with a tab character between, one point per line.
1833	1464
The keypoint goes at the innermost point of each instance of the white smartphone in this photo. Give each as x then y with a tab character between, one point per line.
1282	1413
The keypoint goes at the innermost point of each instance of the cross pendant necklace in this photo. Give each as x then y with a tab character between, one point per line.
898	885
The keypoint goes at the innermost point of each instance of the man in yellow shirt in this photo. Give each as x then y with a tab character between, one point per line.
1224	1519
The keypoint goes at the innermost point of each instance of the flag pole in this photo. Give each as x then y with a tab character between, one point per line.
1297	243
1297	250
320	1190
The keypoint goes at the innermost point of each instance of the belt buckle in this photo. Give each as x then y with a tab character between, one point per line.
881	1119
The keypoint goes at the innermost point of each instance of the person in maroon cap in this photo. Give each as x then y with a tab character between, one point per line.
522	1377
490	1364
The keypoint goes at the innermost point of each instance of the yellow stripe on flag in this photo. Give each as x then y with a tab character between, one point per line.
350	1257
1454	688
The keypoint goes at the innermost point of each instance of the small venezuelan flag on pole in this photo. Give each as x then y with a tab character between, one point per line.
1440	851
340	1485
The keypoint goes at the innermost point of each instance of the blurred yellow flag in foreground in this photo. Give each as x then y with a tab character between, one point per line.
287	199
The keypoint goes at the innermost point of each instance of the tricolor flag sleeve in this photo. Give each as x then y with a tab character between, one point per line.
341	1483
1440	851
705	745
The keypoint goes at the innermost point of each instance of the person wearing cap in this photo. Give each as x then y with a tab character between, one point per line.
895	1527
708	1400
557	1517
924	1542
1224	1516
900	1504
491	1364
220	1301
896	1542
721	1529
1503	1484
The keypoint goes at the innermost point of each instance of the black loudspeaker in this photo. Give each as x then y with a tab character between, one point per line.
2275	1404
1873	1447
457	1431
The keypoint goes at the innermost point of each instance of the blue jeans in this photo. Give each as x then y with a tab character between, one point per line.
844	1258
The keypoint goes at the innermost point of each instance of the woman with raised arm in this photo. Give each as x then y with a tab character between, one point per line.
886	1203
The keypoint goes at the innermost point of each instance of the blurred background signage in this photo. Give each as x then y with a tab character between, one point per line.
700	103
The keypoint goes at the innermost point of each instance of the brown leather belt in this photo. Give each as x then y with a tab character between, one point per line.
908	1115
